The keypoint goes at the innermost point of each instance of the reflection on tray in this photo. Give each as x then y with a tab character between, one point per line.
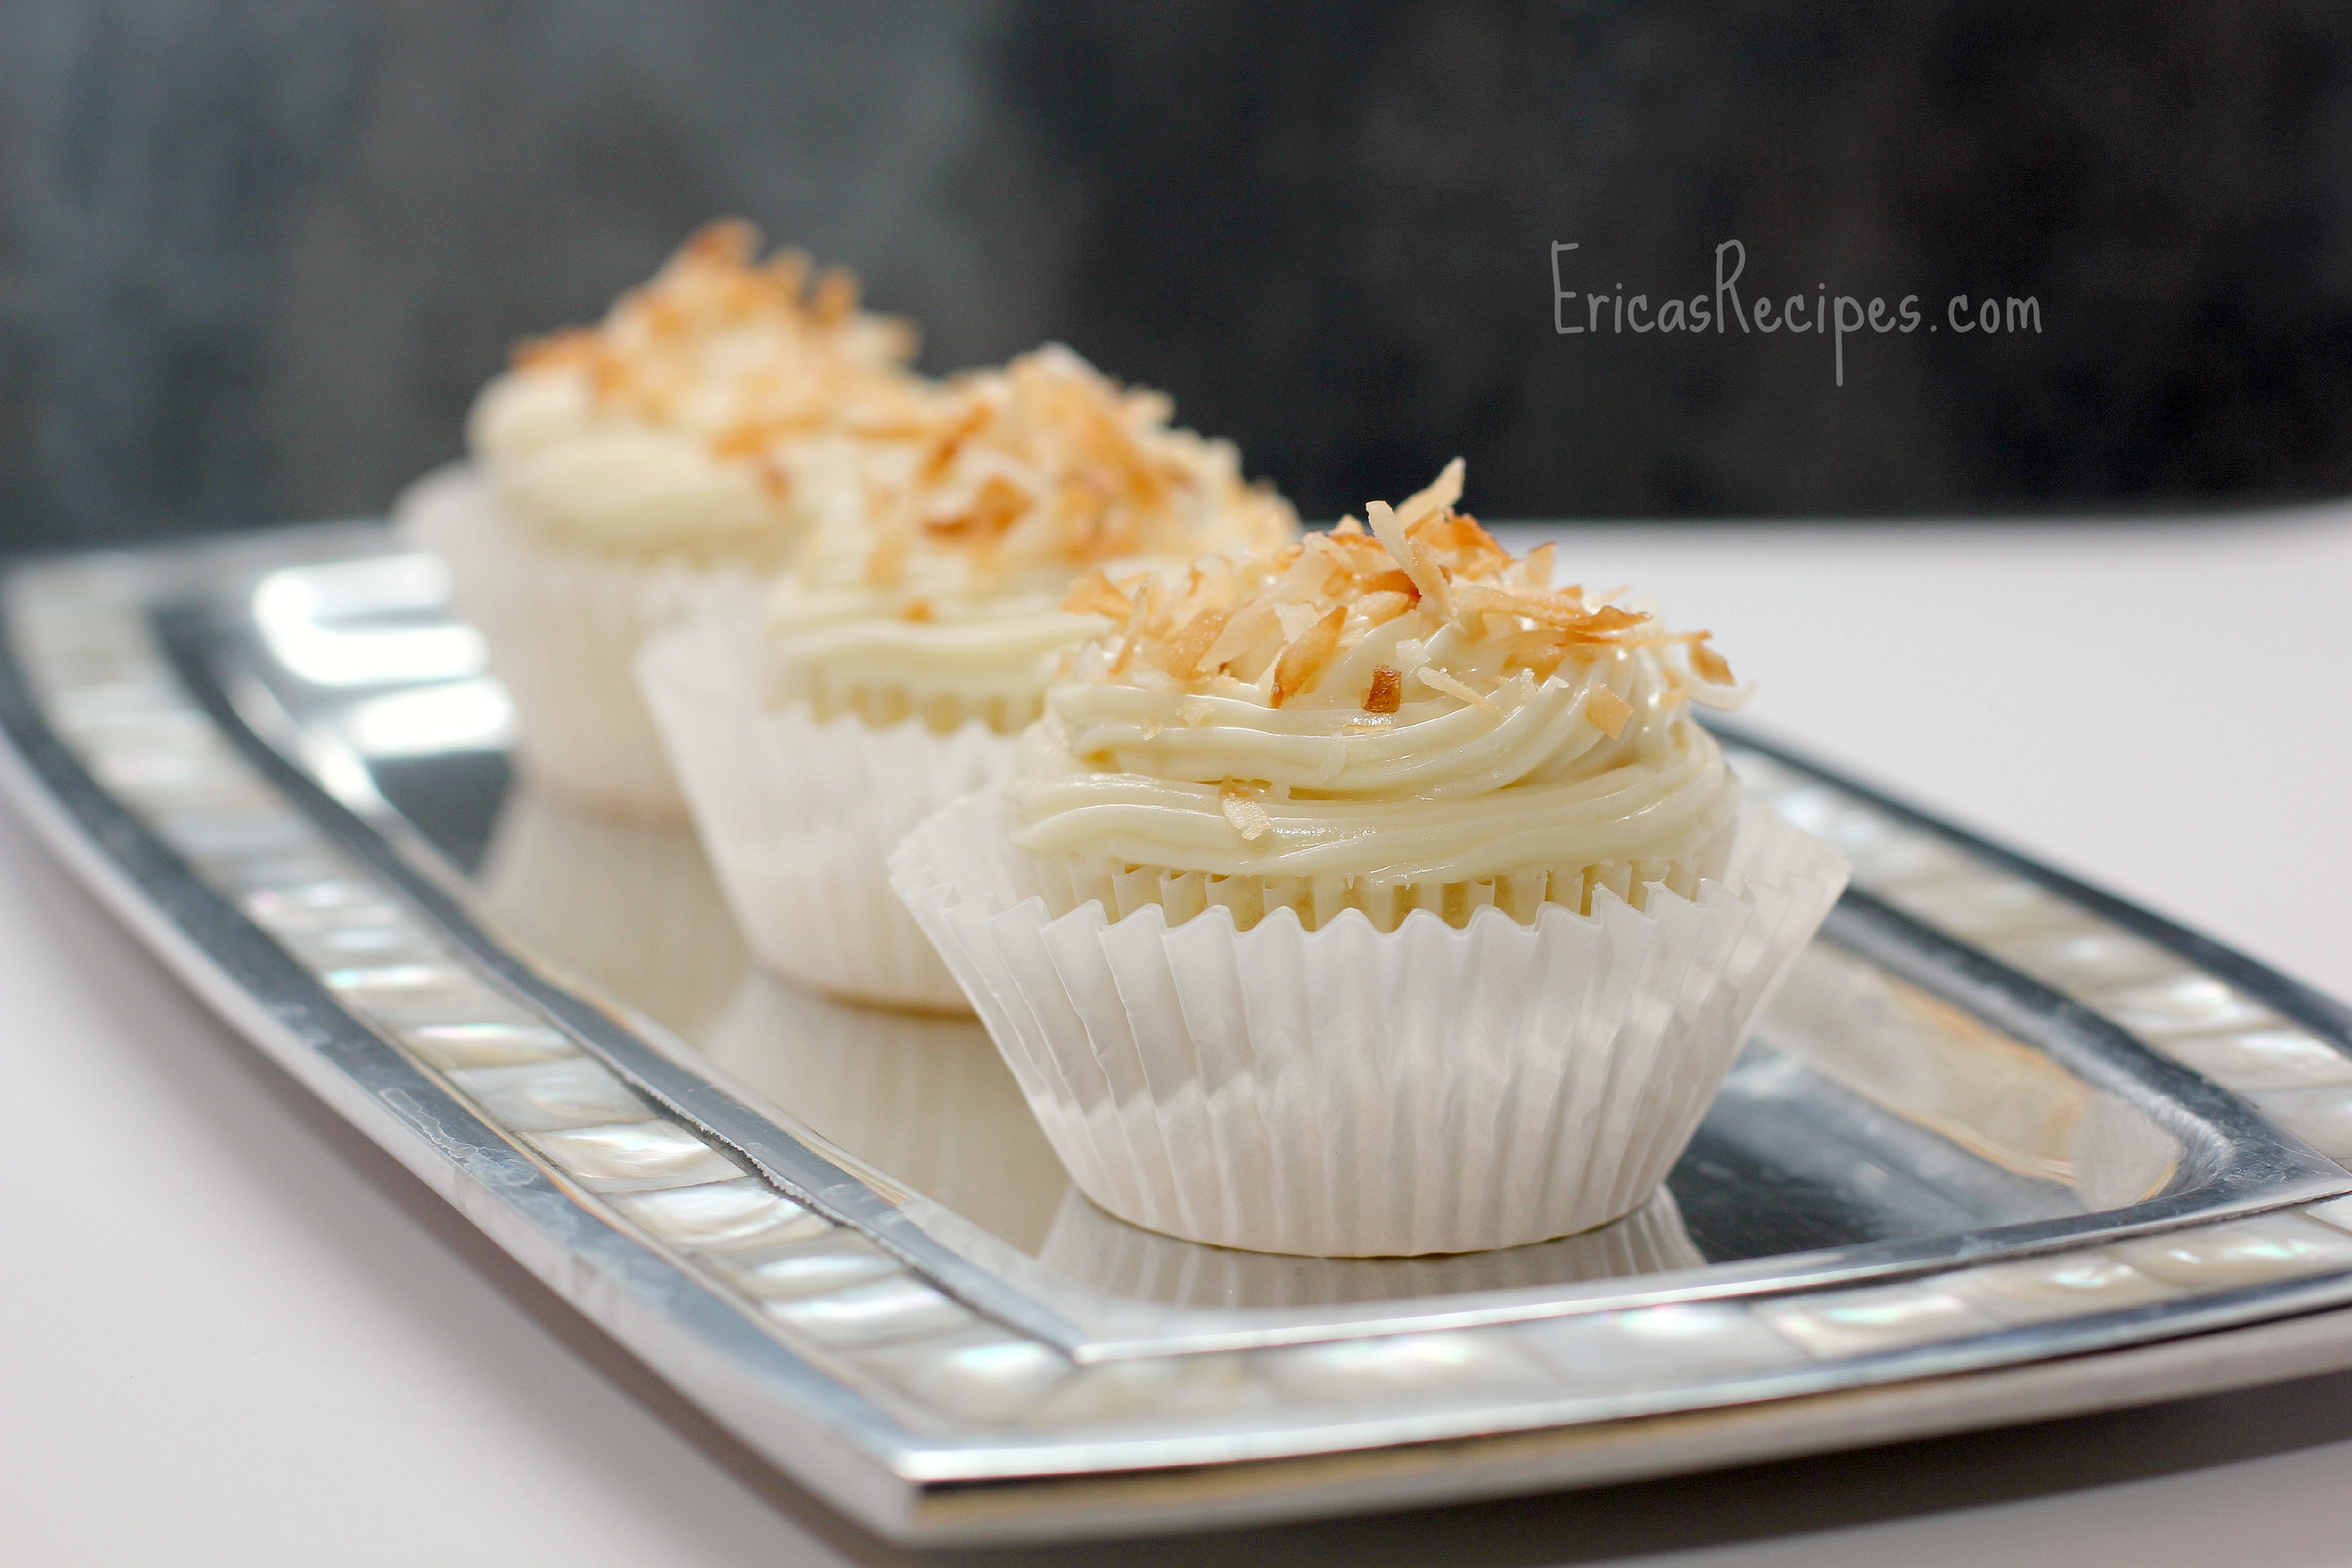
925	1100
1953	1075
632	907
1121	1259
1866	1111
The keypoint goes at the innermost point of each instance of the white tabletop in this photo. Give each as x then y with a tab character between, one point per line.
231	1331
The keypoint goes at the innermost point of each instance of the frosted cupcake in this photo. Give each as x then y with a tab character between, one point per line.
892	668
1369	896
623	473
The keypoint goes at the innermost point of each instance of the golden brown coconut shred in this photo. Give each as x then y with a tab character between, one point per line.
654	347
1048	465
1297	609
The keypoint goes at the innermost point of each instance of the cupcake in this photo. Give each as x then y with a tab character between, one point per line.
892	668
1370	896
625	473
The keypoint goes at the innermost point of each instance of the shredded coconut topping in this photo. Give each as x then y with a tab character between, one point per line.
750	353
1270	624
1043	469
1249	818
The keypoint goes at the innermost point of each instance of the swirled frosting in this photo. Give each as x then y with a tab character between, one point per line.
938	586
691	420
1406	705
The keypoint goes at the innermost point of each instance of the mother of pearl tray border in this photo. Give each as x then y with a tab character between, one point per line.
935	1401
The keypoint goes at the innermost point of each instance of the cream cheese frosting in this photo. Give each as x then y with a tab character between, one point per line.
936	586
690	421
1409	705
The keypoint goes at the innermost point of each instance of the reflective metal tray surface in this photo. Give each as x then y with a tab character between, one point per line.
1995	1118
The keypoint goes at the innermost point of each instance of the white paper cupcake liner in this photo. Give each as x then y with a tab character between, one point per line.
800	814
564	628
1347	1092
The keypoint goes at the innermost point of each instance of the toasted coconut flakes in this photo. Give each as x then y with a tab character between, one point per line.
1264	627
787	272
917	610
999	504
1538	654
882	562
1437	679
1242	634
1306	655
1611	618
837	297
1459	545
1294	618
1160	600
1424	572
946	443
667	347
1042	464
1127	649
752	439
1049	464
1310	578
726	241
1544	609
574	348
1195	711
1248	817
1144	623
1095	594
1184	653
1608	712
1437	498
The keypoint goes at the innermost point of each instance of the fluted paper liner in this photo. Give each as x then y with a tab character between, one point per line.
1348	1092
564	627
800	814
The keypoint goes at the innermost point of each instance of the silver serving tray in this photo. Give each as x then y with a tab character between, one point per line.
2003	1145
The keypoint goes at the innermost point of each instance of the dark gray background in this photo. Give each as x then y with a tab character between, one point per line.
253	259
